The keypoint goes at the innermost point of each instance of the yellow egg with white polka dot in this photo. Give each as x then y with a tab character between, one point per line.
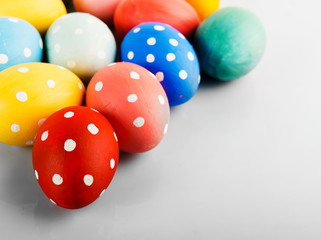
204	8
31	92
40	13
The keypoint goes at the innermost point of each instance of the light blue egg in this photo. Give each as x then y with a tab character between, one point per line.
20	42
167	53
82	43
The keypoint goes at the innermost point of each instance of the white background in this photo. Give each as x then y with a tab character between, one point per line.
241	161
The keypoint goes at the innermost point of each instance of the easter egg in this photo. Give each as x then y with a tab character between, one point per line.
31	92
41	14
20	42
167	53
230	43
204	8
75	156
82	43
134	102
177	13
102	9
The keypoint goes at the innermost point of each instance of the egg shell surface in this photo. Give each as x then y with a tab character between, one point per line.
168	54
20	42
82	43
102	9
177	13
31	92
75	156
230	43
134	102
204	8
41	14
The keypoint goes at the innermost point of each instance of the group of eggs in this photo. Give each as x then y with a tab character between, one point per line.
80	106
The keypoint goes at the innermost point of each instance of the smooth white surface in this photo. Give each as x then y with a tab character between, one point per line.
241	161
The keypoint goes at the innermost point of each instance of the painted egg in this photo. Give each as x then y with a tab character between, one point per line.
41	14
82	43
20	42
167	53
230	43
134	102
177	13
31	92
102	9
75	156
204	8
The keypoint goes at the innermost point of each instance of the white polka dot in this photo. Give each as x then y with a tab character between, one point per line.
112	163
88	180
108	36
183	74
57	48
165	129
151	41
80	86
61	67
190	56
102	192
159	28
79	31
57	179
101	54
69	145
99	85
15	128
115	137
134	75
91	20
3	58
22	96
23	69
160	76
139	122
41	121
132	98
71	64
181	36
56	29
69	114
29	142
130	55
161	99
173	42
51	83
136	30
150	58
36	174
40	43
52	201
14	20
44	136
92	129
170	57
27	52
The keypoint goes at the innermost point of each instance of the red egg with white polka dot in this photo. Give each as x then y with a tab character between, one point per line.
134	102
75	156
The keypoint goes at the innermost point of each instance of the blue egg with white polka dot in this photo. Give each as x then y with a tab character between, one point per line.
166	53
20	42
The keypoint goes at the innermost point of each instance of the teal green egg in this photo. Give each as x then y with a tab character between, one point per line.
230	43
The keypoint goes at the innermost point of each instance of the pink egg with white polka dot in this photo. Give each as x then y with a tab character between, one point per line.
134	102
75	156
